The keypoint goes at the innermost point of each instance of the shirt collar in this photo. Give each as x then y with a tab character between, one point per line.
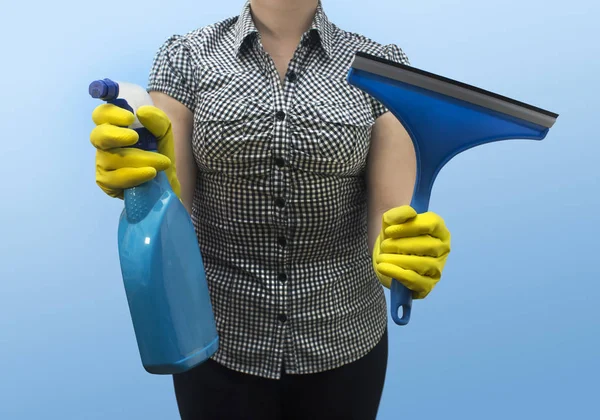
244	27
324	28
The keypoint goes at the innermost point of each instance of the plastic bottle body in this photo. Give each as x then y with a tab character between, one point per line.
164	280
161	263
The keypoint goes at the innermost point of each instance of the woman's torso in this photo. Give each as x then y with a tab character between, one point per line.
280	202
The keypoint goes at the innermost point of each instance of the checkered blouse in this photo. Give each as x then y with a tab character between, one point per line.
280	202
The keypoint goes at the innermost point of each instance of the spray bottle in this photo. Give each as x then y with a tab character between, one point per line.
160	259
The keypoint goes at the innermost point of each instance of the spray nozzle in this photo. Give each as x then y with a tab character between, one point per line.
105	89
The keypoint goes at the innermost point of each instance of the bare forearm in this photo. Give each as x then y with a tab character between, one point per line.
186	171
373	226
391	171
182	125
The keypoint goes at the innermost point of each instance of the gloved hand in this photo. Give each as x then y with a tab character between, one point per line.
411	248
118	167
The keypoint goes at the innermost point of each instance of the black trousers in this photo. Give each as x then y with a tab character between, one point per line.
352	392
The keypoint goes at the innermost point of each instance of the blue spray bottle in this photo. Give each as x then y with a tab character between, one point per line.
162	267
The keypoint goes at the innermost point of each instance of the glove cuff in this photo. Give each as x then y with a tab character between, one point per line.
384	280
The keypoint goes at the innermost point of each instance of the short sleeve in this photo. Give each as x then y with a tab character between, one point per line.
395	54
172	72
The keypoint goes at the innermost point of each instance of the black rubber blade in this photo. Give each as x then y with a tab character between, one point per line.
453	88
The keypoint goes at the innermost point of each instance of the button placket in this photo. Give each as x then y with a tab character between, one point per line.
278	188
285	96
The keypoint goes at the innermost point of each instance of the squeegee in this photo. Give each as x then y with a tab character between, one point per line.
443	117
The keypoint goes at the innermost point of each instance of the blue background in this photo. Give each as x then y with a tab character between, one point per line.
512	331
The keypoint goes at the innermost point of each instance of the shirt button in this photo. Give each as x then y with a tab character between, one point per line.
281	241
282	277
292	77
280	202
282	318
280	162
280	115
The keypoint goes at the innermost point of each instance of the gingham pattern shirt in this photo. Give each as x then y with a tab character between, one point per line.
280	205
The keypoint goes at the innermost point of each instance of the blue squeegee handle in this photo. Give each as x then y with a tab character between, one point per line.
400	295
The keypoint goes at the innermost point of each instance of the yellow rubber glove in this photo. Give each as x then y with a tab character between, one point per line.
411	248
118	167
